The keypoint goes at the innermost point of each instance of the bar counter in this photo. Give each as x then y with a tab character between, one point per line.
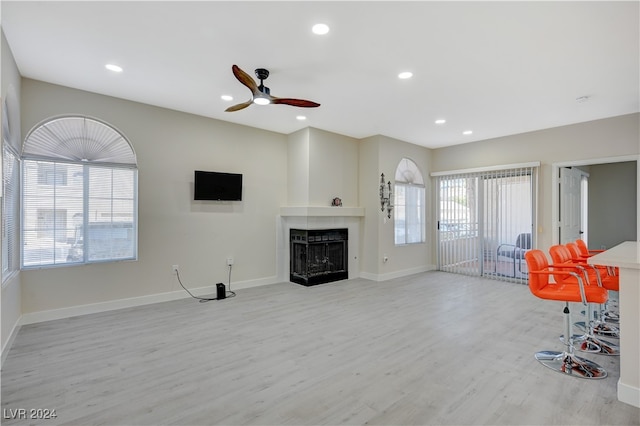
626	257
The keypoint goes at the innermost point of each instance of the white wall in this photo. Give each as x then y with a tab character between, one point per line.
298	168
333	168
173	229
369	178
610	137
322	166
381	154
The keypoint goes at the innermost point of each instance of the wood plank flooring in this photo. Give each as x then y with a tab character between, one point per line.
432	348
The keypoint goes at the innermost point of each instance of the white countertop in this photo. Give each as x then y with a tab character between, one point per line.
625	255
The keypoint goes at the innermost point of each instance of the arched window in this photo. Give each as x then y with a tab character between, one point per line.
80	192
409	206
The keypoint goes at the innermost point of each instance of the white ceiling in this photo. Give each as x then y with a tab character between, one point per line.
497	68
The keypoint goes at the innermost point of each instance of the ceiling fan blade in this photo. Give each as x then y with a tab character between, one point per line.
245	79
294	102
239	106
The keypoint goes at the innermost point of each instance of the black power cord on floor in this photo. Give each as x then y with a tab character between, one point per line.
205	299
231	293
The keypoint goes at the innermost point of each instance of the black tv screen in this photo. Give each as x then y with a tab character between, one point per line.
217	186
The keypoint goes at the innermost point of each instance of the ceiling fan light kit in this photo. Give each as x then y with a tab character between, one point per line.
261	101
261	94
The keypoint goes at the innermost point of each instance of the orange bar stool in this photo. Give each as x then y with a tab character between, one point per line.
586	253
609	314
588	342
607	277
585	250
564	362
562	257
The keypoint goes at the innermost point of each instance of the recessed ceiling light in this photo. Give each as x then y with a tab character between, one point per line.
440	121
226	97
301	117
320	29
404	75
113	67
467	132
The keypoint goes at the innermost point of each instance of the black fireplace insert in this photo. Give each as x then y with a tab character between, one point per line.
318	256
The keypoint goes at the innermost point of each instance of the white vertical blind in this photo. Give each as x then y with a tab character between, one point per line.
458	224
486	222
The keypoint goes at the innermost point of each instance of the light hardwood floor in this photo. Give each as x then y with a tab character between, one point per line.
432	348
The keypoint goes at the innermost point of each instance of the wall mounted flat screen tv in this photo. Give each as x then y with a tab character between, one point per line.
217	186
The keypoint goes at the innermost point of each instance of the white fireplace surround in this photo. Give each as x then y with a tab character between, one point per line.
309	217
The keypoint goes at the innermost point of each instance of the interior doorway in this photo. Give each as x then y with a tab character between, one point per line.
573	208
609	202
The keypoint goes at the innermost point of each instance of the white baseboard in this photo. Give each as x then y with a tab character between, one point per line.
396	274
255	283
12	337
92	308
628	394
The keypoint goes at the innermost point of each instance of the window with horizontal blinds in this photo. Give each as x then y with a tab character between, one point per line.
82	206
10	211
409	214
409	204
486	221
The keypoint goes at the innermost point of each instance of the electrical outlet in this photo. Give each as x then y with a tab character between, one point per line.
229	261
174	269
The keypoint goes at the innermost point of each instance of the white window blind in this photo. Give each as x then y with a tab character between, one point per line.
409	207
409	214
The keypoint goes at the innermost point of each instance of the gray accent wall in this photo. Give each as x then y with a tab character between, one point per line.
612	204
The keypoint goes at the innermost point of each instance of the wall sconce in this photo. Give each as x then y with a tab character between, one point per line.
385	196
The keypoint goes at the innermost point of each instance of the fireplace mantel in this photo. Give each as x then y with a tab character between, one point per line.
311	211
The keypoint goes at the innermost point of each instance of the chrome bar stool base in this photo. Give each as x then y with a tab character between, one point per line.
594	345
586	343
601	329
589	342
612	317
566	362
571	365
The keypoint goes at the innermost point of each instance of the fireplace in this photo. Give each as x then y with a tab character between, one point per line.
318	256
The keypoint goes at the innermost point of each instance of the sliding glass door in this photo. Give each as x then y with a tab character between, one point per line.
486	222
459	248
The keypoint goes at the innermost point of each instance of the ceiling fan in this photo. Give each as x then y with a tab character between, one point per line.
262	94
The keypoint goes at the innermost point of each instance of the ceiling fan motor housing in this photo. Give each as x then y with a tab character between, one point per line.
262	73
